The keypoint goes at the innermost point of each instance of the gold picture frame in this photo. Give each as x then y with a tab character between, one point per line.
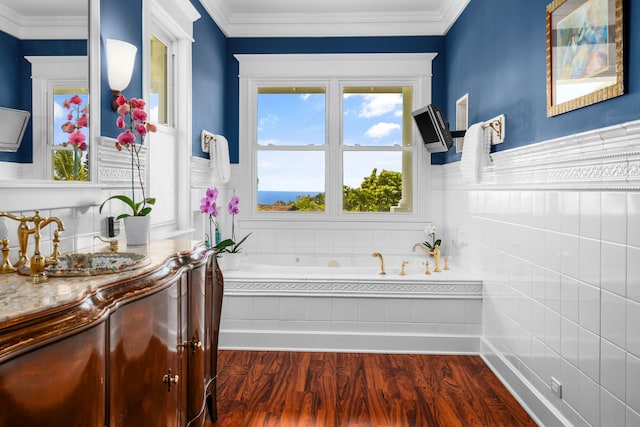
584	53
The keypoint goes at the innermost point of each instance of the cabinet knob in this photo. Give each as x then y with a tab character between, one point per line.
195	344
170	379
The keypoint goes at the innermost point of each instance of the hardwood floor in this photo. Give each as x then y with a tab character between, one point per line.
283	389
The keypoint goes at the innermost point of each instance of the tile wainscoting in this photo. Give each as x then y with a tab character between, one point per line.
553	230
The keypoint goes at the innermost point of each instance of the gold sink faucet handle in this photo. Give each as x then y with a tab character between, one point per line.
404	263
113	244
6	266
426	268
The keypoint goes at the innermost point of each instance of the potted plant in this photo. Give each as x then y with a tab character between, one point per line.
133	120
228	247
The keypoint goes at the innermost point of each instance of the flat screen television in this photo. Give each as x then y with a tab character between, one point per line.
12	126
434	129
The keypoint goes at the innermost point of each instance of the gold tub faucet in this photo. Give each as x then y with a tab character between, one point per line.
113	244
435	252
379	256
37	263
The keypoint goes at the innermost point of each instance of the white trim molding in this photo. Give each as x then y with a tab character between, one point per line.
601	159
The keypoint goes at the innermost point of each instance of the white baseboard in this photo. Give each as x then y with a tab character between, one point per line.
327	341
538	407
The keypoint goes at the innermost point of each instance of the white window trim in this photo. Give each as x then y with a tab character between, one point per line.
413	69
48	72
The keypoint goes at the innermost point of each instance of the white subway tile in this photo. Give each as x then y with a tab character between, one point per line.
589	395
552	330
590	208
614	318
633	219
589	354
590	261
614	217
633	384
570	295
633	418
553	212
570	341
570	259
570	212
613	269
633	273
590	307
612	410
633	323
613	369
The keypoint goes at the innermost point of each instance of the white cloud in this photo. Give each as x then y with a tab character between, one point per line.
382	129
58	111
377	104
270	119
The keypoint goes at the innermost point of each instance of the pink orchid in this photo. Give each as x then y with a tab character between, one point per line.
76	138
76	100
139	114
82	121
126	138
233	206
141	129
68	127
124	109
120	122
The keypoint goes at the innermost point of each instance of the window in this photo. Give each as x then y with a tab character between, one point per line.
69	151
159	77
331	135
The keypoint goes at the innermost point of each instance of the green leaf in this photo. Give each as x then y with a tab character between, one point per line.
223	245
437	243
126	200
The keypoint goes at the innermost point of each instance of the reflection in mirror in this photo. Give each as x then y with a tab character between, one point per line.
55	144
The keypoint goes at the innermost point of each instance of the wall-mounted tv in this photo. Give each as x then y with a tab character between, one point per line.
434	129
12	125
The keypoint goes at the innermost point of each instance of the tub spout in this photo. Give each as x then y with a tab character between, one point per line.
435	252
379	256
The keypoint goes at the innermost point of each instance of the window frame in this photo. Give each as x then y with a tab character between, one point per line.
338	71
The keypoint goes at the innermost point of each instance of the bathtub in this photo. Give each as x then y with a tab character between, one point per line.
331	303
346	276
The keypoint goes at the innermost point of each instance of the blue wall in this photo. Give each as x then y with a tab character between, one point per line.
324	45
121	20
15	80
496	53
209	53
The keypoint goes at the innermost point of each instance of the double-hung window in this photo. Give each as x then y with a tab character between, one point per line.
331	135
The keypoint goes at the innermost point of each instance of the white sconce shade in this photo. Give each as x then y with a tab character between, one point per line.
120	59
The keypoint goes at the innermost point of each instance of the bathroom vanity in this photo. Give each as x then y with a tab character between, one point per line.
135	348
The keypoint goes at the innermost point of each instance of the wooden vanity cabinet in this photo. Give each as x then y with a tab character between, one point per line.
147	358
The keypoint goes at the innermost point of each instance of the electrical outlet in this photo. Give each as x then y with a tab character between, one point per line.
556	387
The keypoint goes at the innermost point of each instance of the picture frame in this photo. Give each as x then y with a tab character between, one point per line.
584	53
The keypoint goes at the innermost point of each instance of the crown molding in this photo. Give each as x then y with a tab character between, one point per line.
334	24
43	27
601	159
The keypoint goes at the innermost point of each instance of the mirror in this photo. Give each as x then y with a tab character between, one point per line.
44	29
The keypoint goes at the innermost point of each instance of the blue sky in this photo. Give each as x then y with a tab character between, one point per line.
371	120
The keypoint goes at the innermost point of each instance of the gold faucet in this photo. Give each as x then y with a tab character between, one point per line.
435	252
37	263
379	256
404	263
113	244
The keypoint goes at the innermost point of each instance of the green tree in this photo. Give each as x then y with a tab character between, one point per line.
63	167
377	193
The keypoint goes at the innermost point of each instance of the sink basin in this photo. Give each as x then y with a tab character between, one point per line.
92	264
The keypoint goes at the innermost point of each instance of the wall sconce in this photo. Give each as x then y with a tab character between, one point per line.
120	59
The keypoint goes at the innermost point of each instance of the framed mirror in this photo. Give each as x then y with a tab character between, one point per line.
55	35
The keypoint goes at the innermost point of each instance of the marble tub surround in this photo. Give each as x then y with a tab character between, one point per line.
20	298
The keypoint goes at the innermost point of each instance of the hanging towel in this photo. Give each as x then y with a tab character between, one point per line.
221	155
475	153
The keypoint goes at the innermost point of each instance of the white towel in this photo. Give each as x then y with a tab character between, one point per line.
221	154
475	153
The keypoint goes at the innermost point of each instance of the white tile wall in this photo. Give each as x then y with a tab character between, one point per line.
561	273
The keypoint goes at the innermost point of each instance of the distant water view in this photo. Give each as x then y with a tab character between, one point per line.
270	197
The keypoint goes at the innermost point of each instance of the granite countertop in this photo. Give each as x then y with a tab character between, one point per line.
20	297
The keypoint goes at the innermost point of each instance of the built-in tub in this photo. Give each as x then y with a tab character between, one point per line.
339	303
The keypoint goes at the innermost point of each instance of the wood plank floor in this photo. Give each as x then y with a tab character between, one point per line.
285	389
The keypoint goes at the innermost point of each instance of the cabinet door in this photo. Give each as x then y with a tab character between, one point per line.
196	348
60	384
145	367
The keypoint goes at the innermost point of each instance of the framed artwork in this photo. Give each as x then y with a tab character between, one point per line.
584	53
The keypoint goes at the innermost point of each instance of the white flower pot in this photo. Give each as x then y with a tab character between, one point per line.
137	230
229	261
